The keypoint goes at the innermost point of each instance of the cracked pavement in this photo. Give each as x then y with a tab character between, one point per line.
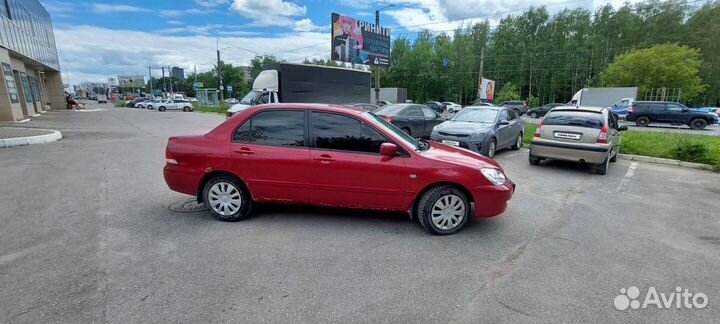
87	236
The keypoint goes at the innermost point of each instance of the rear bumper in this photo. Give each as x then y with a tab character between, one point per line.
588	153
181	180
492	200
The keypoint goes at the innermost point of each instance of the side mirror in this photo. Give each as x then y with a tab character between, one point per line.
388	149
622	128
504	122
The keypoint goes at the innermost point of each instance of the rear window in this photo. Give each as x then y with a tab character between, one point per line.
390	110
574	118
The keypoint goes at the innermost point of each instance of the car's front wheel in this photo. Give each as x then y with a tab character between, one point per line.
698	123
407	131
443	210
161	108
491	148
226	199
186	109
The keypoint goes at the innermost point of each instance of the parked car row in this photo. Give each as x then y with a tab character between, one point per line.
161	104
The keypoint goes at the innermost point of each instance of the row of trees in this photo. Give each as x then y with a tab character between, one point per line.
549	57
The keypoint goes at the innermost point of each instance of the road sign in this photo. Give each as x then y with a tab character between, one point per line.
230	88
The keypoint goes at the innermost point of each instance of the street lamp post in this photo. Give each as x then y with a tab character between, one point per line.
377	68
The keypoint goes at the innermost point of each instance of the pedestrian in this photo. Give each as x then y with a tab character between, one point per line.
72	104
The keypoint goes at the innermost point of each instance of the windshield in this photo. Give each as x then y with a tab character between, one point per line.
390	110
476	115
250	97
574	118
398	133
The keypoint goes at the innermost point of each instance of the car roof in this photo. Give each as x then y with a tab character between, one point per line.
313	106
581	108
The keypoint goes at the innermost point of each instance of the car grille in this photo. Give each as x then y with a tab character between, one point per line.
454	135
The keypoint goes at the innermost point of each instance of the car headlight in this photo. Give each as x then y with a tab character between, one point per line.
477	136
494	175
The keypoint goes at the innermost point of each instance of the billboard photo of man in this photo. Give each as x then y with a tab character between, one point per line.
347	40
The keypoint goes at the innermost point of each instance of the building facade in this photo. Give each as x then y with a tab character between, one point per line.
29	67
177	73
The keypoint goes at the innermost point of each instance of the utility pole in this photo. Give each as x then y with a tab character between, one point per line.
171	81
163	78
220	71
480	74
150	78
377	68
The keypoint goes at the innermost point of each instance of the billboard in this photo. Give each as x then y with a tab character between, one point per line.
359	42
487	89
127	81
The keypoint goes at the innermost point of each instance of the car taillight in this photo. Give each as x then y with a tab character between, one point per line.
537	130
169	158
603	136
388	119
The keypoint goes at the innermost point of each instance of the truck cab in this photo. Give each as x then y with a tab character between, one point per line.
265	90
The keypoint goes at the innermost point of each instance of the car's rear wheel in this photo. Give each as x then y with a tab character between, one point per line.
443	210
491	148
161	108
518	142
534	160
602	167
149	107
698	123
407	131
186	109
450	110
642	121
533	115
613	159
226	199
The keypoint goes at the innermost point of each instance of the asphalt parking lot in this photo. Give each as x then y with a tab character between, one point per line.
87	236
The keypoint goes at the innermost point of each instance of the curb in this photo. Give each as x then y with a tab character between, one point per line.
648	159
30	140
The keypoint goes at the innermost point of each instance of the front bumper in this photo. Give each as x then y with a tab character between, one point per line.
492	200
588	153
475	145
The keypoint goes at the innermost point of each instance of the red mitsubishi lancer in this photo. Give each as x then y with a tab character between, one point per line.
335	156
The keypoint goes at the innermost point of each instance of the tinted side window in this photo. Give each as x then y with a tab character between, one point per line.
504	115
511	114
276	128
427	112
337	132
674	107
414	111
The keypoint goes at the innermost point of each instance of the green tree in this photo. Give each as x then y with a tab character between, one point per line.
257	63
661	66
508	92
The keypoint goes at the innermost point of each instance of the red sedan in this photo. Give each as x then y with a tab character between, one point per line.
333	156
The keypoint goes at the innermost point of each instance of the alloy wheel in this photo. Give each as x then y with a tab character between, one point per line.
448	212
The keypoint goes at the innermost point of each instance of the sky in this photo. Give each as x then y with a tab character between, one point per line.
98	39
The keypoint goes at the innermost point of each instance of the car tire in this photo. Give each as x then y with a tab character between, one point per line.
518	142
613	159
533	115
407	131
533	160
602	167
491	148
698	123
443	210
161	108
642	121
227	199
186	109
149	107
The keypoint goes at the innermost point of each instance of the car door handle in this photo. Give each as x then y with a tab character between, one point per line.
324	158
244	151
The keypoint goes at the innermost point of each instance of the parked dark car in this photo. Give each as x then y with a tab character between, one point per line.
519	106
132	103
542	110
643	113
435	105
482	129
415	120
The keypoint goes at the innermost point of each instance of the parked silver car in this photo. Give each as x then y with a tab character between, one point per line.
585	134
175	104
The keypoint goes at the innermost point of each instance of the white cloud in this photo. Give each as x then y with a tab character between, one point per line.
306	25
183	12
174	22
253	9
59	8
111	54
211	3
105	8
